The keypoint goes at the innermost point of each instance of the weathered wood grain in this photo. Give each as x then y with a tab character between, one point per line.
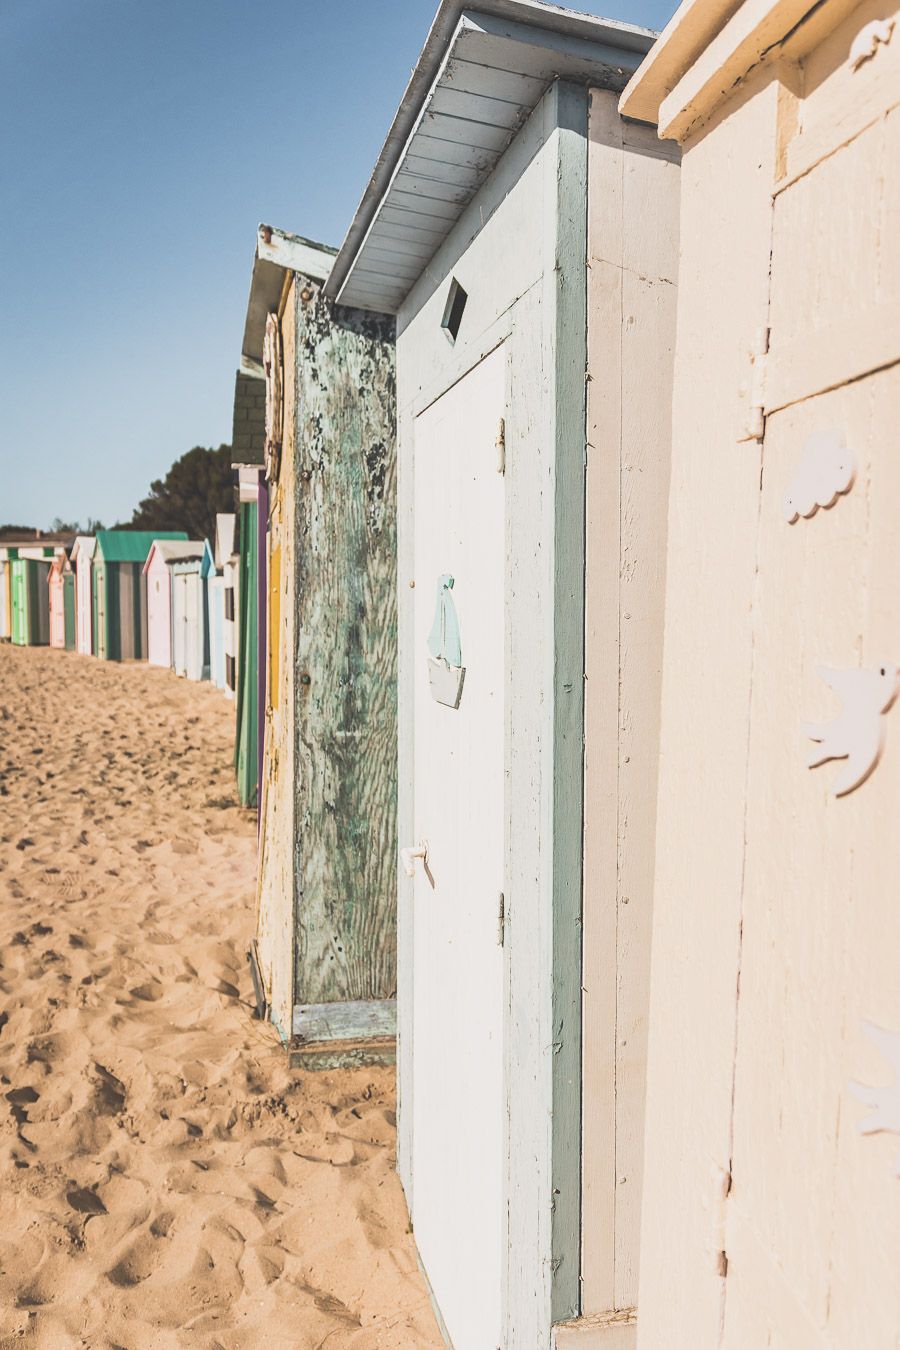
275	904
344	673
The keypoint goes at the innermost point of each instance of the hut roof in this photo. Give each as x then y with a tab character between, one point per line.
131	545
201	561
484	67
175	550
277	251
84	546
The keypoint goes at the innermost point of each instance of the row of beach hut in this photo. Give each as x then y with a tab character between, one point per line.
560	481
126	595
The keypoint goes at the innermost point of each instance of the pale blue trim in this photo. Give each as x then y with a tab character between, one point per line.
443	640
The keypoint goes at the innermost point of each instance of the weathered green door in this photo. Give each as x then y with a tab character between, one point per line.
247	742
100	634
19	602
69	609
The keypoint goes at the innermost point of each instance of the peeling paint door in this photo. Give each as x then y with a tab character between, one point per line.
457	1098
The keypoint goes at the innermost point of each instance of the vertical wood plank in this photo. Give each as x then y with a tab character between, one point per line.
565	304
275	929
633	257
708	658
346	581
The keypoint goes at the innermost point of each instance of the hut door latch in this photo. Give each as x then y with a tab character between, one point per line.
408	857
501	446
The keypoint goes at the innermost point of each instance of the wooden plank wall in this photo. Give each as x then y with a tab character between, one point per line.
275	906
345	654
633	207
708	655
777	927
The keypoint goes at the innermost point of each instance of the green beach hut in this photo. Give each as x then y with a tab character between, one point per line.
120	593
30	572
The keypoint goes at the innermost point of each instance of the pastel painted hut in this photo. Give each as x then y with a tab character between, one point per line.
216	598
82	561
7	553
190	622
525	236
325	949
30	617
119	593
61	582
771	1212
157	570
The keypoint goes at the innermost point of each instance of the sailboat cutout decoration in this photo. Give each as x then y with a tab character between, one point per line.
446	673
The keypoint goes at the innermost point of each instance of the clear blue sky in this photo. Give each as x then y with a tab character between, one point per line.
142	142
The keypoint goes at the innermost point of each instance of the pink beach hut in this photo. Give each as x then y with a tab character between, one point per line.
164	553
62	601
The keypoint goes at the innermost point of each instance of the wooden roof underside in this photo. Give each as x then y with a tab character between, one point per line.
493	73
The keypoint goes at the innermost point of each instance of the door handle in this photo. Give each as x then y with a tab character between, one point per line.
408	857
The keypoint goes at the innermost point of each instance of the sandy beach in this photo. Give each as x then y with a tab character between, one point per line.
166	1180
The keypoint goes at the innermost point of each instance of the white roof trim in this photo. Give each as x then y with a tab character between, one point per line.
482	71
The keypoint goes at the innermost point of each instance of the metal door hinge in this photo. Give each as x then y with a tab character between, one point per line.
501	921
756	412
501	446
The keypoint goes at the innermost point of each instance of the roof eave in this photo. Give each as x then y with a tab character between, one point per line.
277	252
707	47
628	41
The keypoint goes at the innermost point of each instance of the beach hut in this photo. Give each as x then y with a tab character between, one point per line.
7	553
82	561
326	966
525	236
249	707
119	592
231	587
30	616
216	599
158	579
61	582
190	622
771	1212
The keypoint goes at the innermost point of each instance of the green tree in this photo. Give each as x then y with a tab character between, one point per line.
197	486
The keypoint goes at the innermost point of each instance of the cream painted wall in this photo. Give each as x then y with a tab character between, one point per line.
768	1219
633	209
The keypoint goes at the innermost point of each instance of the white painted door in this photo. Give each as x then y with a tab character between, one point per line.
179	623
457	1089
194	626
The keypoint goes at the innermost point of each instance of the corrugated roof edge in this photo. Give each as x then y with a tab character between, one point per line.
553	18
126	545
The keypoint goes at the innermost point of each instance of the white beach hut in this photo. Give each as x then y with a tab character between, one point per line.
190	621
158	575
526	238
81	559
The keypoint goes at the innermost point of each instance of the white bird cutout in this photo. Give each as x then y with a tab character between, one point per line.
865	44
857	733
826	470
885	1101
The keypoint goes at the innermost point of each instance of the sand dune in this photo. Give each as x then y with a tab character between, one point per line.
166	1181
